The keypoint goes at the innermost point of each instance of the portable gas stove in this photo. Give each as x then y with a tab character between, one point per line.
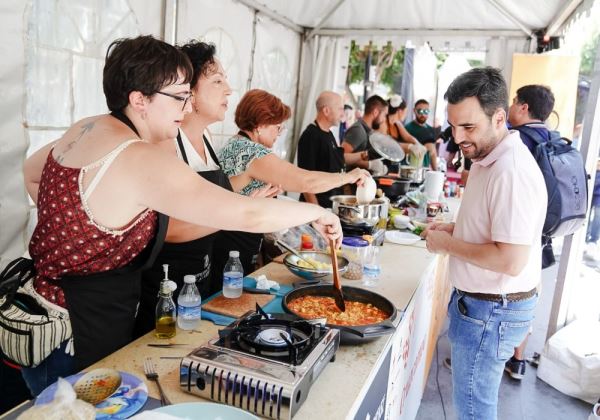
261	363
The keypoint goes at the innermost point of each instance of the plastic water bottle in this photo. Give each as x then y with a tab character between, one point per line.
233	276
189	304
371	268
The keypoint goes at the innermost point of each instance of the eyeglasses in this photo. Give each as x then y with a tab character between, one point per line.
183	99
422	111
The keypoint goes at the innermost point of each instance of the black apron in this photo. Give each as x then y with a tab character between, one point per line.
193	257
102	306
247	243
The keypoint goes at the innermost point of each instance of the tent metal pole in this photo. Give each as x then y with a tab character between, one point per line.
170	10
252	51
510	16
569	268
324	19
562	16
421	32
296	128
255	5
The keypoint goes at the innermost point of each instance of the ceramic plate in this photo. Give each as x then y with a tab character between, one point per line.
401	238
127	400
205	411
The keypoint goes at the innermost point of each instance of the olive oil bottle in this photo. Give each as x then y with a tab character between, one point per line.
166	311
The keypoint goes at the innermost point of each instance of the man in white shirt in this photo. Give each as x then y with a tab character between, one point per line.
494	247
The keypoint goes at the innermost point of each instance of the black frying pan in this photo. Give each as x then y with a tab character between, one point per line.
352	334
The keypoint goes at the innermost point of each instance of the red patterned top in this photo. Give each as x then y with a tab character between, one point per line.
67	240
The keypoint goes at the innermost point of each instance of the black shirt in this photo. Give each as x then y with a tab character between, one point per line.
318	151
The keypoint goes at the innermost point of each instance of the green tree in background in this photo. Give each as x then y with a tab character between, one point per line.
588	56
387	60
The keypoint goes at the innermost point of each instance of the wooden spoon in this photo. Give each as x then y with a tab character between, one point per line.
338	296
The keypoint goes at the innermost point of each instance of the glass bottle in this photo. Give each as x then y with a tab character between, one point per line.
166	312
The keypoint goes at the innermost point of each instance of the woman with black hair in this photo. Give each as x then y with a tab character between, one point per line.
188	248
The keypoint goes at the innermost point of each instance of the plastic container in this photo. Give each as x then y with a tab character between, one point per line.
233	276
189	305
355	250
371	267
306	242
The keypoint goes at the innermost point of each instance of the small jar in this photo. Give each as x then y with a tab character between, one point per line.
355	250
306	242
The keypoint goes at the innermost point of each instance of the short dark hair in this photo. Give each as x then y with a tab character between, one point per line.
486	84
421	102
202	57
539	99
143	64
375	102
259	107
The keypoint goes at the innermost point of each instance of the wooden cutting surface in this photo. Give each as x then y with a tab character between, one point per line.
237	307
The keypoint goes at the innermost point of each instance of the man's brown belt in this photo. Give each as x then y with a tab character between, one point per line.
510	297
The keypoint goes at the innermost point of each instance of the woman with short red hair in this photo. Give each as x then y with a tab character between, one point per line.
250	163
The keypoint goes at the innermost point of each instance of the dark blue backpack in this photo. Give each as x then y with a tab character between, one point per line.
566	181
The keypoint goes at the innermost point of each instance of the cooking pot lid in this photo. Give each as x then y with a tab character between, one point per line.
386	147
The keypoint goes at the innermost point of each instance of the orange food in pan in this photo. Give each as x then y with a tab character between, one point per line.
357	313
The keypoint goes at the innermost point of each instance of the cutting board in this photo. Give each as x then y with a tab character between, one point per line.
238	306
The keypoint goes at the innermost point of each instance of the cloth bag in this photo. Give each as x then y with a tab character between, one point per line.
30	326
570	361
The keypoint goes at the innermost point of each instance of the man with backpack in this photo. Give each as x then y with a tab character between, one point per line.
561	164
530	107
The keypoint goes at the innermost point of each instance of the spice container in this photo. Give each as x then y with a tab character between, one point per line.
306	242
354	249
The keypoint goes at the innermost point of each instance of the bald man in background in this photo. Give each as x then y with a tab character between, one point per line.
318	150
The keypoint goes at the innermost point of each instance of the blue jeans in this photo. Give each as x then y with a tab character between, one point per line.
57	364
593	232
482	337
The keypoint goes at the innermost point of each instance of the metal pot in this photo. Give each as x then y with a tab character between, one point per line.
408	172
419	175
393	187
358	333
350	212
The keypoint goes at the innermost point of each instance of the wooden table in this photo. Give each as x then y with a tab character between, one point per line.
341	389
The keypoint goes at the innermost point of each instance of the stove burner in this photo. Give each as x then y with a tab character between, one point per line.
283	338
274	337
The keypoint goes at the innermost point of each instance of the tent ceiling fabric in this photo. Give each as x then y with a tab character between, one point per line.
422	14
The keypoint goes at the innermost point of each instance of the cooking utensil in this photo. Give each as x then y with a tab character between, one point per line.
291	262
97	385
352	334
293	251
166	344
349	211
338	296
393	187
386	146
153	376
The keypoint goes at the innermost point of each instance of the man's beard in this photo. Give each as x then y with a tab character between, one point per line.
376	125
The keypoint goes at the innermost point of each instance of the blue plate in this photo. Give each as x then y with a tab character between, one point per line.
126	401
205	411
